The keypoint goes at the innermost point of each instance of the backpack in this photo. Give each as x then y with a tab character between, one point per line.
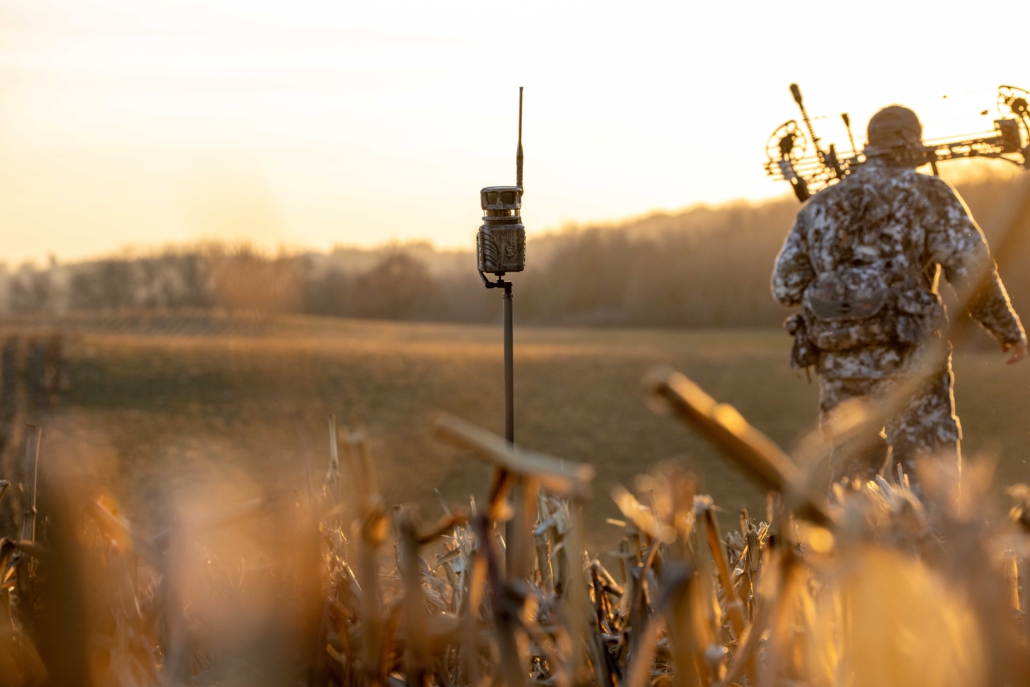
863	305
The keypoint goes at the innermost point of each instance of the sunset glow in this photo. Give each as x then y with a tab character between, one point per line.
141	123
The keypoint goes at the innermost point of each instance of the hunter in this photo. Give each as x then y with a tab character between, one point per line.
863	262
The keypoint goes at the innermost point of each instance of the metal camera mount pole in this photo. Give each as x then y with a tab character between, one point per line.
501	248
509	355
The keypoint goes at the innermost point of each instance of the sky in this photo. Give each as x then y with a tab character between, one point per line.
300	124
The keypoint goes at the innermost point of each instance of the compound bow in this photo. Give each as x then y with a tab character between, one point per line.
788	146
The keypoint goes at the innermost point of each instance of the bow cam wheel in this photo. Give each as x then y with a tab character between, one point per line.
788	143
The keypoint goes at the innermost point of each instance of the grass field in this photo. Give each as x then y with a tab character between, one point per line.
159	405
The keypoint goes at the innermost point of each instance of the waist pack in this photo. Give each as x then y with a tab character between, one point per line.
856	306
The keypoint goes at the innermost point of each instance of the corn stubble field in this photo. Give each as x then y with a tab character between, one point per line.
221	537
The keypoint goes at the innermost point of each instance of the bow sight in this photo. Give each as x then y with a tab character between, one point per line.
788	158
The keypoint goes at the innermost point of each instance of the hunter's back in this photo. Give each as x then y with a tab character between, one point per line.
878	214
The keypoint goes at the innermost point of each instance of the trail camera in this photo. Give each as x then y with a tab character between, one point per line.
501	241
501	248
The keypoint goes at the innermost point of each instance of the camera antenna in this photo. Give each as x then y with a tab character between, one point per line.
518	153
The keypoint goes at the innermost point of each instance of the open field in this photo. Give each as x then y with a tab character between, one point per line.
171	403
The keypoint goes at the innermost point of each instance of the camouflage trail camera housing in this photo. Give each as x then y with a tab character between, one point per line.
501	241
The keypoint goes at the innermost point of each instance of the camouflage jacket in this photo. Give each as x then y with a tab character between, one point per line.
911	224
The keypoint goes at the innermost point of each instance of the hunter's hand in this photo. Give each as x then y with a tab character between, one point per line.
1016	351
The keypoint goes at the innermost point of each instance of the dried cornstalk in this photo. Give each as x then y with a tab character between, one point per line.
787	602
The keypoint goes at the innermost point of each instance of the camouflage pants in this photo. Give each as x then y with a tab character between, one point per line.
927	426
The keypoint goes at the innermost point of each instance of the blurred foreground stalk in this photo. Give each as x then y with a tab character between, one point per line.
876	587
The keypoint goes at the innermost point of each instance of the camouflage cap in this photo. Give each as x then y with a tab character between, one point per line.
894	126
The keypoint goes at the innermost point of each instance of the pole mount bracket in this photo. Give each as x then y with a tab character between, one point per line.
499	284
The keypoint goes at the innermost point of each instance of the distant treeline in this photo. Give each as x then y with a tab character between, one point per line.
703	267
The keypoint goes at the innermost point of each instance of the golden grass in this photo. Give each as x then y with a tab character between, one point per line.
246	398
332	586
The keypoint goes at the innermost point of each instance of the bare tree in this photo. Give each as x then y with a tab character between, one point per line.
331	293
30	290
244	279
398	287
104	285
